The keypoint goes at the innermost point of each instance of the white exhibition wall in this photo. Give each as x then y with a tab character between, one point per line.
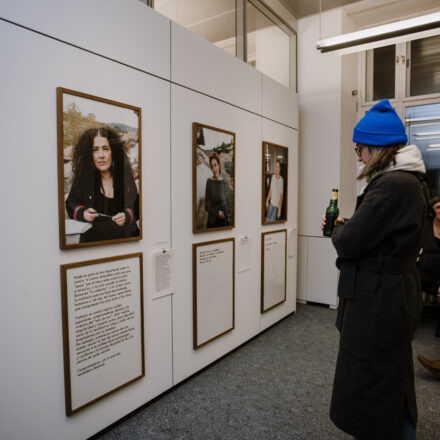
327	108
32	380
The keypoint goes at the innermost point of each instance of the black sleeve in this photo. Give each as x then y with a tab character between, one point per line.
208	200
75	204
392	205
131	208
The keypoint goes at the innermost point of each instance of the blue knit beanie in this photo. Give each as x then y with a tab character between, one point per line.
381	126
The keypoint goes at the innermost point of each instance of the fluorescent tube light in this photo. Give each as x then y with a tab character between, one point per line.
427	133
427	138
391	33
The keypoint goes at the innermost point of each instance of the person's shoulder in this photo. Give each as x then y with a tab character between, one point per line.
397	181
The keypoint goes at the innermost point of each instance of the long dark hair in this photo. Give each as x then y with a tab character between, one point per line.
380	159
433	201
83	168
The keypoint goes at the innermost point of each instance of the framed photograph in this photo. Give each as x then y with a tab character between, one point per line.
99	170
274	192
273	268
213	290
213	178
103	328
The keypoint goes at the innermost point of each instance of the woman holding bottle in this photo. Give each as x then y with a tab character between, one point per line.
379	286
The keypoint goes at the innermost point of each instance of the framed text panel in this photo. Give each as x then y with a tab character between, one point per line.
103	327
213	290
273	268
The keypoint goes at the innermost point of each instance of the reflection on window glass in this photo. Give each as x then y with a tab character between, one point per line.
268	46
425	66
381	69
211	19
422	124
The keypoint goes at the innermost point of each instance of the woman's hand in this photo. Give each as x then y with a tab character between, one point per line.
90	215
221	214
279	214
119	218
323	222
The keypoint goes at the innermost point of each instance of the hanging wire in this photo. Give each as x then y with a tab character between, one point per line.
320	27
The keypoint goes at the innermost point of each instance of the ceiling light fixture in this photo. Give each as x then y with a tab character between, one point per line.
384	35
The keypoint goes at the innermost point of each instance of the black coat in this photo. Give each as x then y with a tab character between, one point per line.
429	262
379	306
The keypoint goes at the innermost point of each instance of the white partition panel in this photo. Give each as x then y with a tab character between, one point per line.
322	274
189	107
280	103
125	30
31	380
302	269
202	66
282	135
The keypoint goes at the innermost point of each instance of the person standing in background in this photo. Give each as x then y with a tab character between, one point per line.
379	286
274	199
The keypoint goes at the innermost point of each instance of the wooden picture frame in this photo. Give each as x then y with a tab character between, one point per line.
273	288
107	184
218	212
103	327
208	298
273	153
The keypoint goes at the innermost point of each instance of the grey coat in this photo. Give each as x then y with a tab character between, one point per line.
380	303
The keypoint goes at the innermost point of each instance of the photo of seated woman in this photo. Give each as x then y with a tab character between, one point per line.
101	172
274	183
213	175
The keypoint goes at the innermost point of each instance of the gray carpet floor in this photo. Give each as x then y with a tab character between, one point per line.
277	387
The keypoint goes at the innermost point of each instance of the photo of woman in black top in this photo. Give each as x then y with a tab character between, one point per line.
213	178
215	200
103	191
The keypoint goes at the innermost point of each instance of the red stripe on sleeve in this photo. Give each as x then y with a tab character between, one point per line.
131	214
76	211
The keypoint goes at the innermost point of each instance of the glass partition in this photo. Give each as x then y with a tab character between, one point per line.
213	20
267	45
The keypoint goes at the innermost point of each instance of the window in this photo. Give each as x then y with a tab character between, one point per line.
424	66
422	124
402	71
380	76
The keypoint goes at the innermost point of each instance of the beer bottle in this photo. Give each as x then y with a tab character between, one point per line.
331	214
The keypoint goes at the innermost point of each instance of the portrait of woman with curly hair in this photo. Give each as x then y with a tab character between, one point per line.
103	190
99	160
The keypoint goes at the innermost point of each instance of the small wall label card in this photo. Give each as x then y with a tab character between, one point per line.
213	290
273	268
103	328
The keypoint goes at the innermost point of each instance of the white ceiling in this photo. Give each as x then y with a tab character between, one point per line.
301	8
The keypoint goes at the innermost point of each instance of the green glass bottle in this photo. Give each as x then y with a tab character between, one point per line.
331	214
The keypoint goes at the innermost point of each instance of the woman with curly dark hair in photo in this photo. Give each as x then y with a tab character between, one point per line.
103	190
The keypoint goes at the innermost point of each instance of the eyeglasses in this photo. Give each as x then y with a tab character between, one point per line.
358	149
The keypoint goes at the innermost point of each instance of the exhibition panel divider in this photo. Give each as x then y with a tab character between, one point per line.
127	68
